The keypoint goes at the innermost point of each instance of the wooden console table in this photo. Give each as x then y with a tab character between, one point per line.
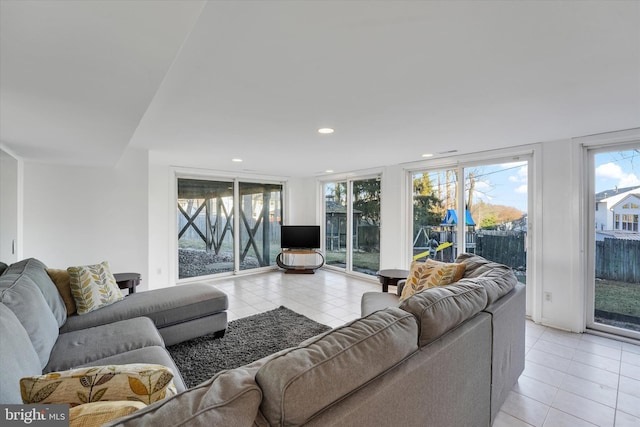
295	268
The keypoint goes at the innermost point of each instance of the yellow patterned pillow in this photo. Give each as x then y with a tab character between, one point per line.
136	382
93	286
431	274
95	414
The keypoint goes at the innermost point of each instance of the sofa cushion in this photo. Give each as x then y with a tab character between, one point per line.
430	274
95	414
93	287
62	280
139	382
154	355
87	345
441	309
165	307
36	271
17	356
26	301
497	279
302	381
230	398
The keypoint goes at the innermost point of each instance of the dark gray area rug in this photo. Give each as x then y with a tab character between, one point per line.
246	340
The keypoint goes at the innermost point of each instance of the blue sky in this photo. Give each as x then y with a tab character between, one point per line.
506	184
617	169
502	184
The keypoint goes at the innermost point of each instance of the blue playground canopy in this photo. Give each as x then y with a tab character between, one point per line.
451	218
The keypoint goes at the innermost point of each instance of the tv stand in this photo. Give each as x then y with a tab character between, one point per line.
286	260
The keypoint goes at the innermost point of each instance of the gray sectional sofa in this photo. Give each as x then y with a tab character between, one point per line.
446	356
38	337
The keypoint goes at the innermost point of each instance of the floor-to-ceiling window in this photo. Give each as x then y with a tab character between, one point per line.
260	220
209	212
484	212
613	274
352	224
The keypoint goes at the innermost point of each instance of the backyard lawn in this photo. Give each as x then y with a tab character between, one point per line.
618	297
618	304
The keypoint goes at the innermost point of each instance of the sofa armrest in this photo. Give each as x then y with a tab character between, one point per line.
400	287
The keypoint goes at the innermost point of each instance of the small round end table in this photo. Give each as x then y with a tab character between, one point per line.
391	277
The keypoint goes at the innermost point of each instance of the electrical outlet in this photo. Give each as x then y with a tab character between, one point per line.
547	296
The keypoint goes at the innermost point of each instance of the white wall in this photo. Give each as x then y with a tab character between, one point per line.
560	238
161	212
76	215
10	207
302	202
394	214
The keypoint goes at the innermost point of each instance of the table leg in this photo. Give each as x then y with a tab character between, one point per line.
385	283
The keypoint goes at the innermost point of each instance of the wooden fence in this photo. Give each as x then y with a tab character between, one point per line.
618	260
503	247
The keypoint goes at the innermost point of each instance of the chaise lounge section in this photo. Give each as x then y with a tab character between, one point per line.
39	337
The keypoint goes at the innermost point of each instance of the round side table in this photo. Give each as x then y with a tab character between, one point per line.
127	281
391	277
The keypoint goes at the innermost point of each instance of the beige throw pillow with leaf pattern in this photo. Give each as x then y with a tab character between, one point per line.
93	287
431	274
95	414
137	382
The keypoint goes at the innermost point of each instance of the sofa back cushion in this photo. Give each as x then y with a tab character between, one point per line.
37	272
497	279
300	382
17	356
23	297
441	309
230	398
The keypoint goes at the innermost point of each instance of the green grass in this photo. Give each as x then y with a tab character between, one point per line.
362	260
618	297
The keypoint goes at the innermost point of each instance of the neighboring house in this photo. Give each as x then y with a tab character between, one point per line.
605	202
617	216
626	212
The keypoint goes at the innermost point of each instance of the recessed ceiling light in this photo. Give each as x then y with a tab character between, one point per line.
329	171
427	155
237	160
325	131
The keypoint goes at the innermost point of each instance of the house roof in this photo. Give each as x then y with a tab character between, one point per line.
600	196
613	200
619	234
631	195
197	83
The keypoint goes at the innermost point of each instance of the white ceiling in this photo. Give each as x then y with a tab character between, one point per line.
199	83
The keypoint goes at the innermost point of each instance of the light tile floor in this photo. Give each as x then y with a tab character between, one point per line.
569	379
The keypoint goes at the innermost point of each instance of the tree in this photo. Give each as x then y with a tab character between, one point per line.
366	199
426	205
489	222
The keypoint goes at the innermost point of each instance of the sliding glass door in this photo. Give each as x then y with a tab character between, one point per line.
208	214
335	230
614	275
352	225
260	220
484	213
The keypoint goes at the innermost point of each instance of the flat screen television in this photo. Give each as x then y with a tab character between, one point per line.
300	237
